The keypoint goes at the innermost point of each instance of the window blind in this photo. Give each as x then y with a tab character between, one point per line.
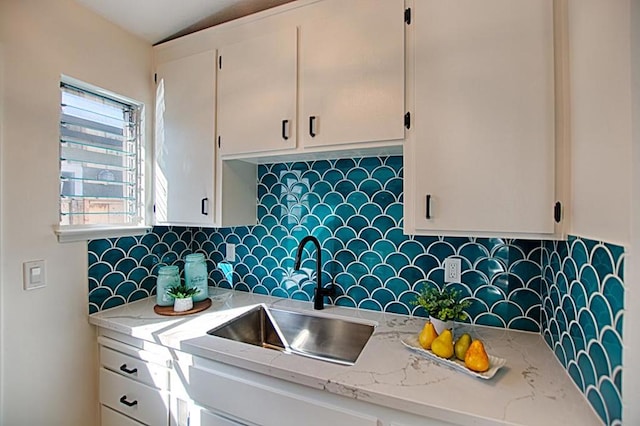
100	159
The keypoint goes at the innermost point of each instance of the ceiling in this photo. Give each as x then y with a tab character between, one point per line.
161	20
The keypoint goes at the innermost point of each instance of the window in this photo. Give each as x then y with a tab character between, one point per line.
101	159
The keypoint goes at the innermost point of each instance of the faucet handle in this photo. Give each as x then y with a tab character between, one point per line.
320	292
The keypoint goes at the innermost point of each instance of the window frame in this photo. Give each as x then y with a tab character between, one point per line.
75	232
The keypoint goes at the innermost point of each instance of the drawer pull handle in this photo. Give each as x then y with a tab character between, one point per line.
123	400
124	368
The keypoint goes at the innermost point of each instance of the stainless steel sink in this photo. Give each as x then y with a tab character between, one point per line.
326	338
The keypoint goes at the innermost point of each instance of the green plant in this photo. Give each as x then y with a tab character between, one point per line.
443	305
182	291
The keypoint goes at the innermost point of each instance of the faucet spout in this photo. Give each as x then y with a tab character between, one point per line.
320	292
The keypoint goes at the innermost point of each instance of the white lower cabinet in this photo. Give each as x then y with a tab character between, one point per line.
265	401
174	388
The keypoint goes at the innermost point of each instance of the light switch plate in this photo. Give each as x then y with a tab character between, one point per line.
33	274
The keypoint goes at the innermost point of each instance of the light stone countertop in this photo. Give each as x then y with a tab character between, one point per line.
532	389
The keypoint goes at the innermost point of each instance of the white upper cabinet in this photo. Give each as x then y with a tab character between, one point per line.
184	140
480	157
352	72
257	94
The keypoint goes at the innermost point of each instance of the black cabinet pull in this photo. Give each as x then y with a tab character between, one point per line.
123	400
284	129
204	206
312	126
557	212
428	209
124	368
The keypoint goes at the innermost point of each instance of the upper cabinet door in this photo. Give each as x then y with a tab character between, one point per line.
352	72
257	94
185	144
482	150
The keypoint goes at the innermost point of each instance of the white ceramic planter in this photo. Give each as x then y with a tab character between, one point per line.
441	326
181	305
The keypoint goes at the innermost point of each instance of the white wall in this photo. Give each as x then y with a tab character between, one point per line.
631	356
48	349
1	227
600	82
604	39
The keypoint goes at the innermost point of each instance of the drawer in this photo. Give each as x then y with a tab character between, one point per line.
264	404
134	399
146	372
113	418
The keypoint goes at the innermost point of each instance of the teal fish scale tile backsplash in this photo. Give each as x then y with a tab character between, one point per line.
354	207
583	299
125	269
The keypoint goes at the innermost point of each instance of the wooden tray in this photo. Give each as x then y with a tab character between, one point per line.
197	307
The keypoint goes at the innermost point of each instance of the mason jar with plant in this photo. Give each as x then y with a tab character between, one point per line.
183	297
443	306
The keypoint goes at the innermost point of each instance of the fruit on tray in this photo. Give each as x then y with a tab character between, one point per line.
476	358
427	335
462	345
443	344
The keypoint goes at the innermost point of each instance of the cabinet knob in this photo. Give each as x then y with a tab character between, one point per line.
124	368
123	400
312	126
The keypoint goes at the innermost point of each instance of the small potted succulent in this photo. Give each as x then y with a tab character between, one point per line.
183	297
444	306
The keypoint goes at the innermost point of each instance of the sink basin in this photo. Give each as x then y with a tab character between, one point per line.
325	338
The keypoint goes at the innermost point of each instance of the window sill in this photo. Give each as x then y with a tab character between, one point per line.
67	234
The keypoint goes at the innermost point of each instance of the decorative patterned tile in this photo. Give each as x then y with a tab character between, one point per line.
354	207
125	269
583	301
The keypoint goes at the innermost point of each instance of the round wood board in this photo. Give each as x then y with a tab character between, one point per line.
168	310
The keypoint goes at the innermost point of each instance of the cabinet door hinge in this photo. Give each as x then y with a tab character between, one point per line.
220	62
155	78
407	120
557	212
407	16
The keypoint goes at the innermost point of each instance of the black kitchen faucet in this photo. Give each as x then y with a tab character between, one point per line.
320	292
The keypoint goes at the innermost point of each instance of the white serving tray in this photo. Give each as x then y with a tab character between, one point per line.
495	363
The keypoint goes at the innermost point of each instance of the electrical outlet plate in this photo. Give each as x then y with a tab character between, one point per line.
452	266
231	252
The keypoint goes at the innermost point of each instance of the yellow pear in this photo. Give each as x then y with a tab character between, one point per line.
476	358
443	344
427	335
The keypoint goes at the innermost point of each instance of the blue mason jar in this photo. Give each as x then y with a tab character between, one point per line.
195	275
168	276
